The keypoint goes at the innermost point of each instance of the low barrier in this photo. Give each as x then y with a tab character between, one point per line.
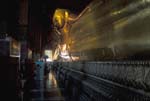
105	81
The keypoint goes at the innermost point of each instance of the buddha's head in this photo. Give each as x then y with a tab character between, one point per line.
60	17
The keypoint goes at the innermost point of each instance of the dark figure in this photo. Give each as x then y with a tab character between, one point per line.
46	69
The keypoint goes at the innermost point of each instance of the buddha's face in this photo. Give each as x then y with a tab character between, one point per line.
59	18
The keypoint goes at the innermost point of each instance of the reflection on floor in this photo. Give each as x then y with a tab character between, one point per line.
43	90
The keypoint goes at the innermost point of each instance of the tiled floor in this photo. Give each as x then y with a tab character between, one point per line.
43	90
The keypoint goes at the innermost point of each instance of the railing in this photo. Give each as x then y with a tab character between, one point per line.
128	80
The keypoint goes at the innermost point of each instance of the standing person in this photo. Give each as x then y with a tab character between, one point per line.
40	70
36	72
40	77
46	69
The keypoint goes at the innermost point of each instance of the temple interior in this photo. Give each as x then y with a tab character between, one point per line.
75	50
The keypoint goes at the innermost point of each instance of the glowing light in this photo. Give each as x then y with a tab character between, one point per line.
64	47
50	76
52	79
62	51
49	60
75	58
49	54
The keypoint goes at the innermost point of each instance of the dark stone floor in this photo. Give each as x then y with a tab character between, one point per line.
43	90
